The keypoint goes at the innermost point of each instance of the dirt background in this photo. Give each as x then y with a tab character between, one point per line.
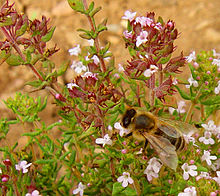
198	21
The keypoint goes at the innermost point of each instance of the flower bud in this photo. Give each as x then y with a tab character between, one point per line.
7	162
124	151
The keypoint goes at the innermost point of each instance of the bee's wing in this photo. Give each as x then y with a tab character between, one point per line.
171	127
166	151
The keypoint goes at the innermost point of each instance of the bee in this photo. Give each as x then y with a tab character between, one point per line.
164	135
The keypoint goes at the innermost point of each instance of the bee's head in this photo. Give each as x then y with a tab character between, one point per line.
143	121
127	118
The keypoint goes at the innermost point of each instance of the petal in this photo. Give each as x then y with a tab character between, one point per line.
99	141
185	176
125	183
120	179
130	180
76	191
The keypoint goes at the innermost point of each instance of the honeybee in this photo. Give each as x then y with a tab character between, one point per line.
164	135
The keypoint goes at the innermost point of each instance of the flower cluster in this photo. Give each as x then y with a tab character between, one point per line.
153	168
205	69
150	43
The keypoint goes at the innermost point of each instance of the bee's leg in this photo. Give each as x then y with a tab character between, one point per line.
128	135
145	146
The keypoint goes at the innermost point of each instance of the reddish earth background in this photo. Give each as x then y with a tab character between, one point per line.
198	21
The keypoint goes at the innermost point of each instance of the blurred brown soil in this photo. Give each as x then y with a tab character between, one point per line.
198	22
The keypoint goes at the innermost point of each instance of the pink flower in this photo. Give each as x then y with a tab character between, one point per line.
206	157
125	179
189	170
142	38
78	67
127	34
190	191
203	175
129	15
143	20
207	138
22	165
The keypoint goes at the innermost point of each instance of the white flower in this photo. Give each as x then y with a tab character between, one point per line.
207	138
142	38
203	175
120	68
22	165
215	53
217	179
90	74
153	168
212	127
125	179
191	57
80	189
189	170
216	62
206	157
190	191
217	89
180	109
91	42
34	193
106	140
121	129
75	51
192	82
129	15
96	59
71	85
188	137
149	72
78	67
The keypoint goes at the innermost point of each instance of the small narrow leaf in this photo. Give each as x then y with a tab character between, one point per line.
183	94
49	35
93	12
212	100
14	60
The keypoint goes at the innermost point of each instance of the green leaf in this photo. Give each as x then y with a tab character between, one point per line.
42	161
183	94
49	35
3	56
85	36
96	10
201	168
32	134
14	60
35	83
117	189
77	5
23	28
212	100
91	130
164	60
6	22
62	69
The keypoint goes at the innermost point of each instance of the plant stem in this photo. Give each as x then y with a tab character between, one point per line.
96	40
151	89
193	103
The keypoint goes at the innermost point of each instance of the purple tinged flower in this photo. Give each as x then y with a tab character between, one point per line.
189	170
33	193
80	189
127	34
188	137
91	42
206	157
75	51
191	57
143	21
90	74
4	178
190	191
106	140
203	175
120	68
124	151
216	62
195	65
212	127
22	165
128	15
121	129
217	89
153	168
142	38
217	179
125	179
96	59
207	138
